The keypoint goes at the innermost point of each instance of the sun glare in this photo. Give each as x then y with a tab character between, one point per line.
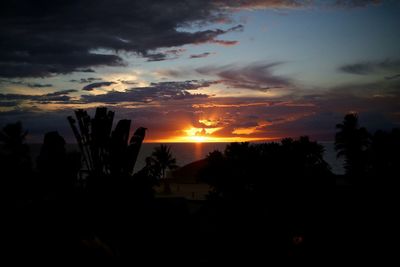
206	135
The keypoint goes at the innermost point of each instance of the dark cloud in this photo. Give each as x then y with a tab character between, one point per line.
255	4
91	86
356	3
164	55
254	76
225	42
17	64
62	92
58	96
371	67
8	103
205	54
86	80
154	92
47	37
151	57
39	85
128	82
31	85
84	70
41	38
392	77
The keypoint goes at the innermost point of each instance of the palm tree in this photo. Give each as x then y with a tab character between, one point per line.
163	158
351	142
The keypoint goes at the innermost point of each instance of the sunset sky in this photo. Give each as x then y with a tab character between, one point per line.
201	70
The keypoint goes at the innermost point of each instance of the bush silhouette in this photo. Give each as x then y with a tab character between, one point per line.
15	162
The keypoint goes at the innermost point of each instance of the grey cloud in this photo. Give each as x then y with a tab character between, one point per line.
151	57
154	92
91	86
58	37
356	3
371	67
15	64
31	85
45	38
86	80
39	85
58	96
128	82
164	55
264	3
202	55
392	77
8	103
254	76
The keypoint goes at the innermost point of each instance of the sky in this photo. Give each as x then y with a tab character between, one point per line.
201	70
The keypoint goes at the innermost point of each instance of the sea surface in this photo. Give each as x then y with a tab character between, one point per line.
188	152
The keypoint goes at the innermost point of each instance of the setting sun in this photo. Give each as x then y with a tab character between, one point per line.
206	135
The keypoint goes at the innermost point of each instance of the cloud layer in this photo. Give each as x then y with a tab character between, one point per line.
8	100
155	92
46	37
256	76
41	38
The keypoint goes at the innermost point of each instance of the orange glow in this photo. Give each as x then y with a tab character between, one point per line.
249	130
201	132
210	139
206	135
208	122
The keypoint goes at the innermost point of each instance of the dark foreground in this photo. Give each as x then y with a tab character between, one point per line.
169	231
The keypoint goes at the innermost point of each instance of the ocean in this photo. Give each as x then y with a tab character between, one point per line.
188	152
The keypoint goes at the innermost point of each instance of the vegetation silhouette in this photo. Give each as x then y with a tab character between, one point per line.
15	163
106	152
270	192
268	202
369	197
351	142
57	169
160	161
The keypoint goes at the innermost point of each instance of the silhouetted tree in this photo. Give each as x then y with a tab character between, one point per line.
351	142
57	168
13	135
245	169
162	160
384	156
15	160
163	157
272	191
106	152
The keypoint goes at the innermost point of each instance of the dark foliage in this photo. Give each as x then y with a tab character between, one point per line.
106	152
15	163
365	205
255	169
352	142
268	202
